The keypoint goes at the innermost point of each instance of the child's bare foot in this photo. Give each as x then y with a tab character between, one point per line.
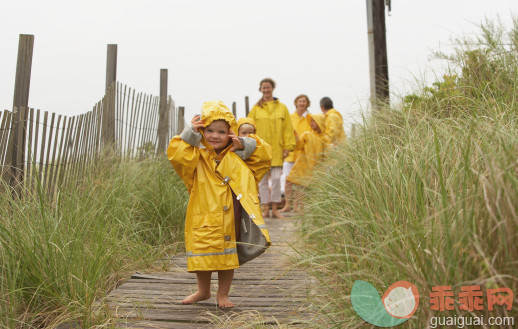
277	214
224	302
285	209
266	210
196	297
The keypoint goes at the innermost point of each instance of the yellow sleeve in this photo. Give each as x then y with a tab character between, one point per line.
332	126
288	135
184	158
260	160
301	141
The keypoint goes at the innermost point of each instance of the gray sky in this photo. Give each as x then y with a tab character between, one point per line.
220	50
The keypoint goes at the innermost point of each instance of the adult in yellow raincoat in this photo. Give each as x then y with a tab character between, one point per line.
273	124
300	124
334	122
220	172
312	145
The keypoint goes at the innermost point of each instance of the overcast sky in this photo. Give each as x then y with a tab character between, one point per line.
220	50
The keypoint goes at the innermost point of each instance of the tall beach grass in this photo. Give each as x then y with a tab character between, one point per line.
60	257
426	191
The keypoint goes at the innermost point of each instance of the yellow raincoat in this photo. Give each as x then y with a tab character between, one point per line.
210	237
301	125
273	124
334	126
312	145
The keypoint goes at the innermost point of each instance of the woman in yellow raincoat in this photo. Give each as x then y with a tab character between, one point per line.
220	172
311	145
300	124
273	124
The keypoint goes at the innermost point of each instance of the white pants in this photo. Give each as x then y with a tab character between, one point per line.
264	188
286	168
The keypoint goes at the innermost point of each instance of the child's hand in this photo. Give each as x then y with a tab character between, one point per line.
196	123
237	142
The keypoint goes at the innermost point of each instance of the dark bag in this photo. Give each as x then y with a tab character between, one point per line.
252	242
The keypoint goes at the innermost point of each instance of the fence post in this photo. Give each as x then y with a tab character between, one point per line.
108	116
16	148
181	119
111	66
163	114
247	107
234	110
378	63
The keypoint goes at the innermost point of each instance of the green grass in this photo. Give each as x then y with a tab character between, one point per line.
426	191
61	257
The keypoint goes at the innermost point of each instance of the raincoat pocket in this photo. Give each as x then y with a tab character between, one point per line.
207	236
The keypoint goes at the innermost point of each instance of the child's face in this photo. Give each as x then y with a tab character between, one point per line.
216	134
245	130
315	126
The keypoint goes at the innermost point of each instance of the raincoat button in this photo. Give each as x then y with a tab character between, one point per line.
226	180
239	196
227	237
225	208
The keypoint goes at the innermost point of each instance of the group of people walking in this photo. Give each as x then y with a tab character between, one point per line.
227	167
298	141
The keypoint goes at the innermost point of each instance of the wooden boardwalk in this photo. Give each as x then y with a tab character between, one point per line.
266	291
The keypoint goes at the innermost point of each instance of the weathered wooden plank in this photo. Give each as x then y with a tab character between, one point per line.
153	129
98	130
145	121
43	144
4	147
69	173
4	135
133	129
66	153
77	147
84	143
60	154
117	117
91	140
143	324
283	284
34	166
127	122
52	164
48	148
30	151
145	111
206	314
167	298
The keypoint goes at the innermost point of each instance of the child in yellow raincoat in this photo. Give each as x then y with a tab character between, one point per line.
311	144
245	127
220	172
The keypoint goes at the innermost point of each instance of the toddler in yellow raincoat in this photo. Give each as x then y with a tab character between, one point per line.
311	144
245	127
220	171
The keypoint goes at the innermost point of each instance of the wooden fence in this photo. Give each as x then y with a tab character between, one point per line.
55	149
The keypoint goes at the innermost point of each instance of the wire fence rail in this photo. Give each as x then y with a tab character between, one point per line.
55	149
